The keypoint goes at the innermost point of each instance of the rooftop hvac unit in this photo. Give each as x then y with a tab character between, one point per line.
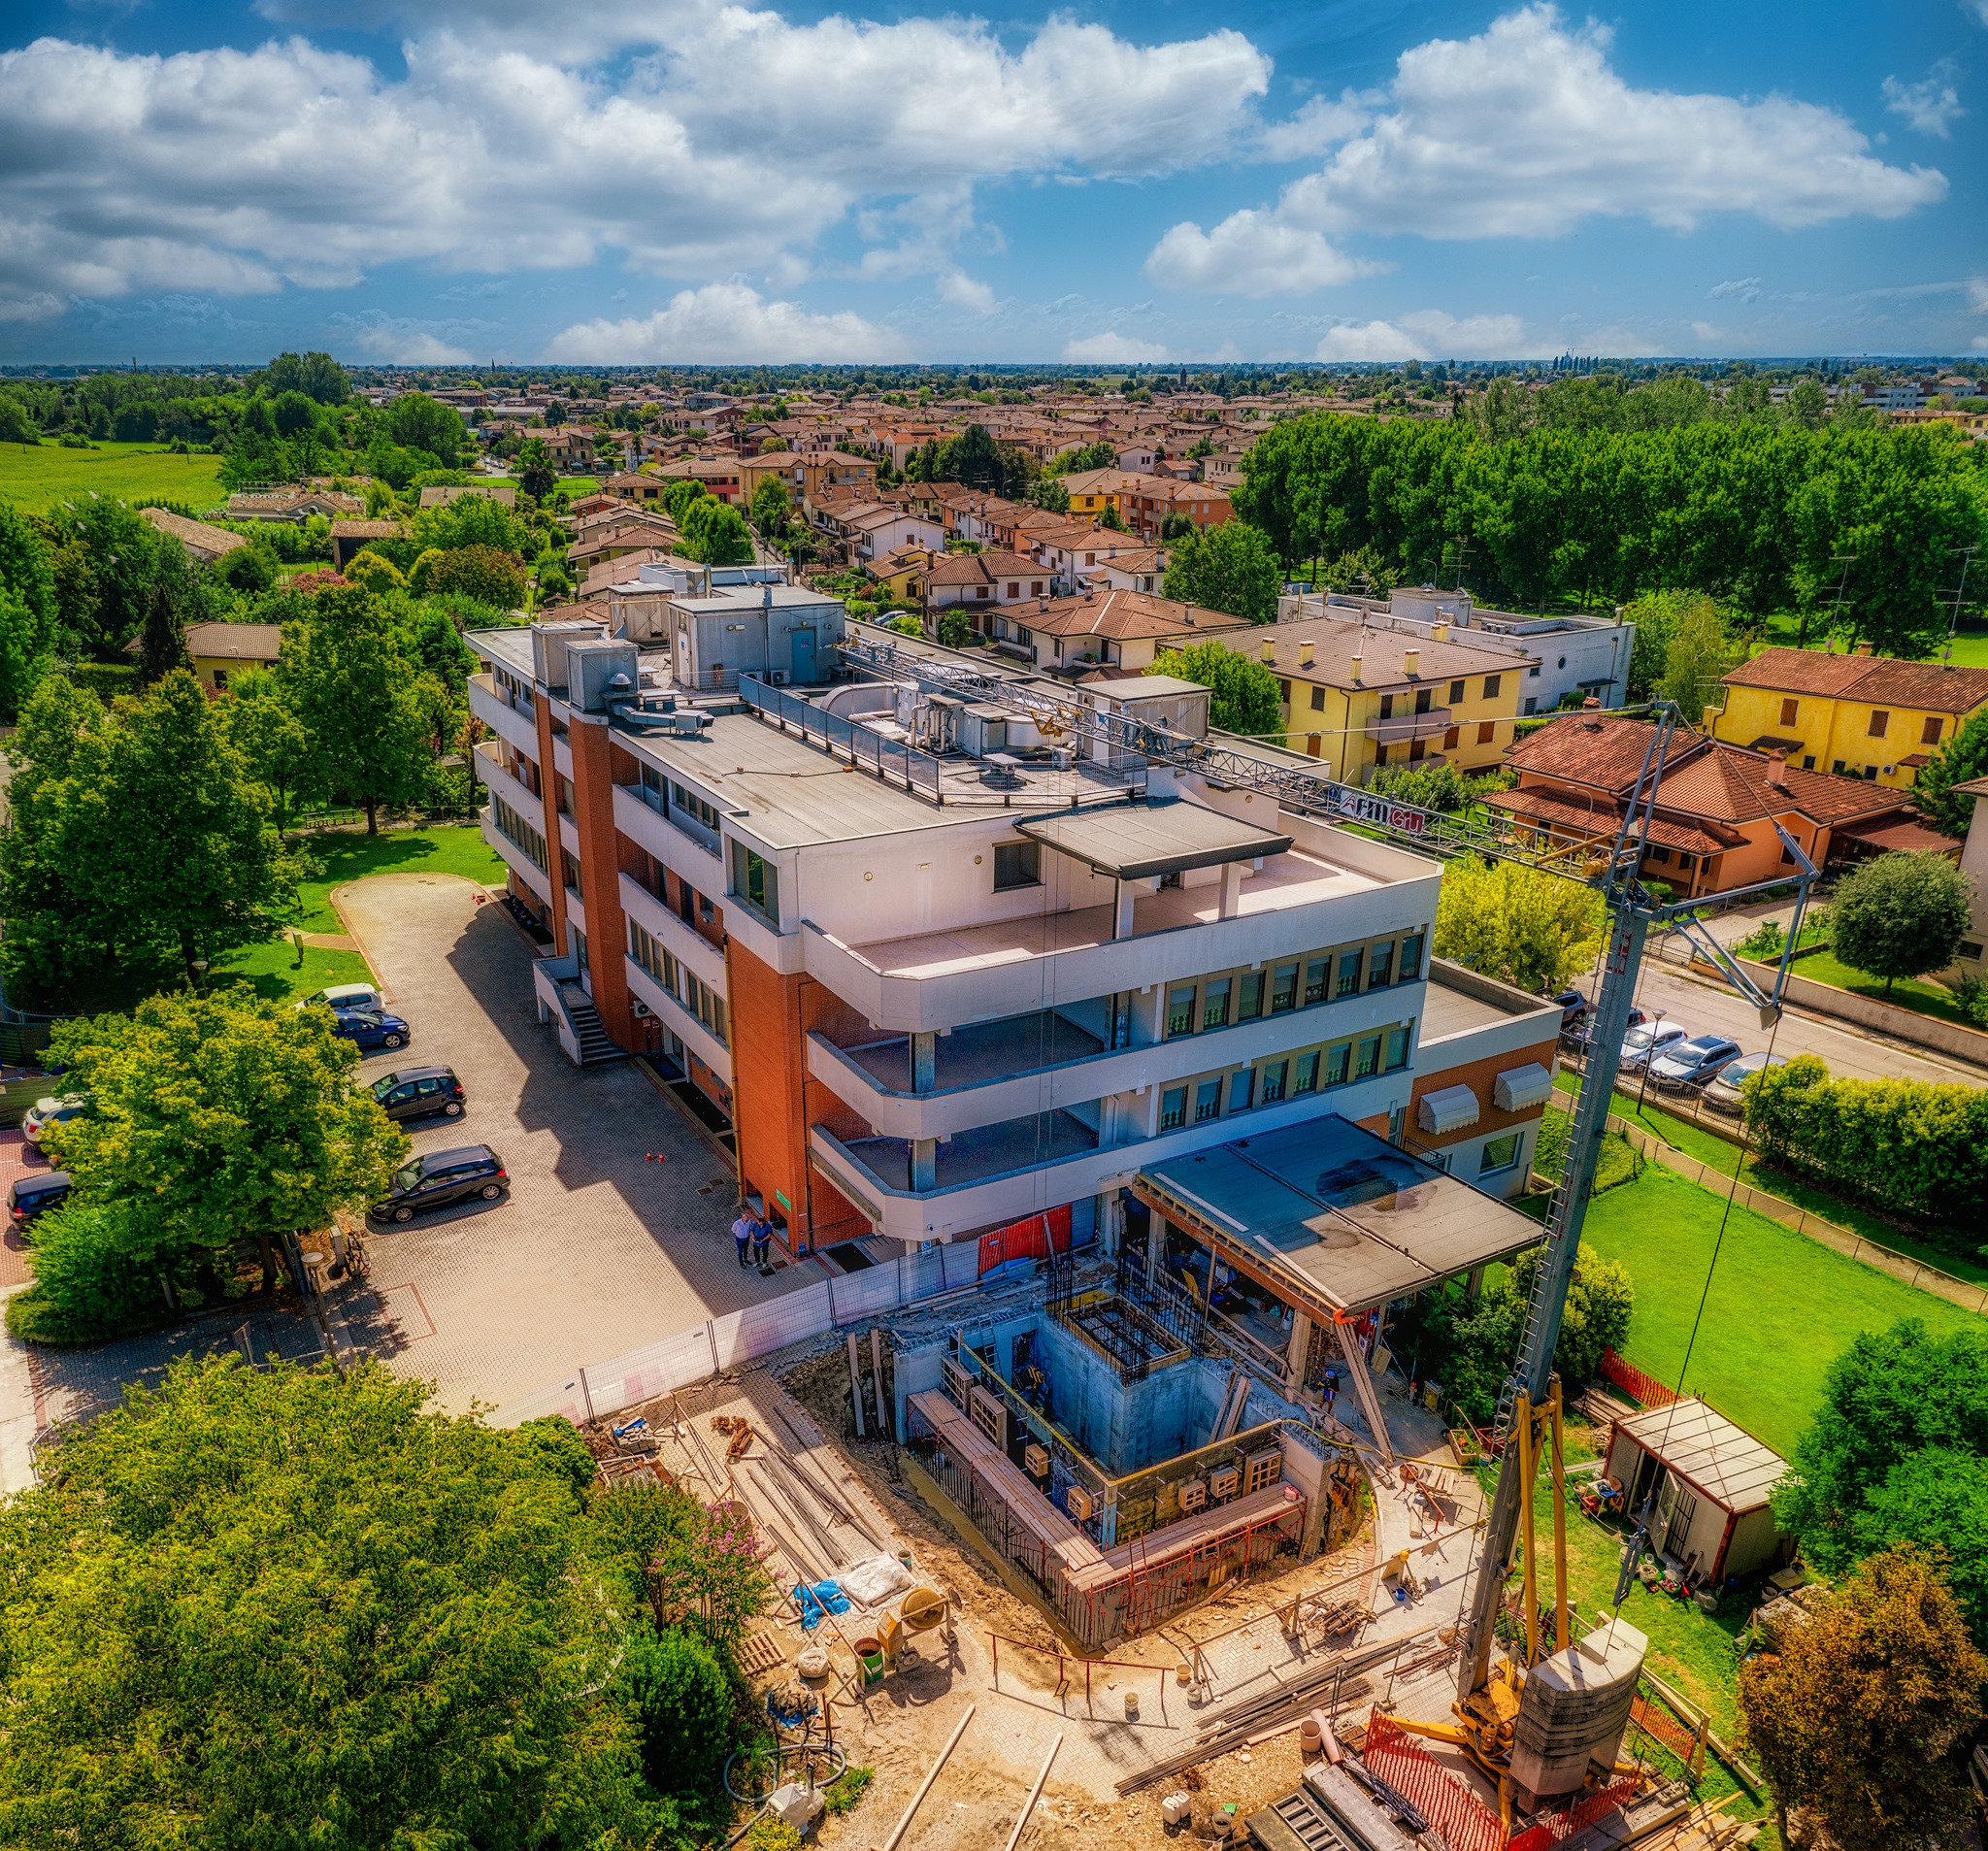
1193	1496
1036	1462
776	678
1080	1503
1262	1468
1222	1483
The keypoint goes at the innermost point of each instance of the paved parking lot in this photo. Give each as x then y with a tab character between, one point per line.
618	1227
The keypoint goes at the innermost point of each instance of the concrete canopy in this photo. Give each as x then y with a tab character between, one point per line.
1331	1217
1135	842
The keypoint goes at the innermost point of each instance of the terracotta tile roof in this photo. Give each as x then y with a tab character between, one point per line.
1911	834
196	536
364	529
1119	615
1382	653
984	569
1576	818
1594	750
1933	687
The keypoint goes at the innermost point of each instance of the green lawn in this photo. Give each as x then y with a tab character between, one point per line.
1781	1305
273	969
1969	645
36	478
1916	994
446	849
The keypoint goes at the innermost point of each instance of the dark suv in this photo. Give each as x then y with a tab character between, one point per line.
441	1177
35	1195
420	1092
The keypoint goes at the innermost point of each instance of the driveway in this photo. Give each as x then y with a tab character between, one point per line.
617	1228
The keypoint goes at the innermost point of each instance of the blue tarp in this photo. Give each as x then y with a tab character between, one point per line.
817	1602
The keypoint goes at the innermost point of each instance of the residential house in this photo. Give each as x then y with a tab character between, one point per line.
1359	698
1153	501
204	544
983	581
1097	492
830	474
720	475
294	505
1136	569
632	485
351	538
1102	630
901	573
615	541
1720	809
870	531
1858	715
218	651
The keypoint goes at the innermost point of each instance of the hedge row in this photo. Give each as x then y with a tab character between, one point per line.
1906	1145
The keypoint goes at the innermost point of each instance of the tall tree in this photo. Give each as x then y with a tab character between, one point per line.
716	533
1900	916
137	835
1696	656
354	692
163	642
417	421
1520	925
1245	693
274	747
534	465
1230	568
1860	1720
228	1120
1960	761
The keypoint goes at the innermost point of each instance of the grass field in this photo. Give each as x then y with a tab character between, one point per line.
1969	645
37	478
446	849
1780	1309
273	969
1916	994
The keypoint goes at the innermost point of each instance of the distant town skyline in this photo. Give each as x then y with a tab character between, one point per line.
475	179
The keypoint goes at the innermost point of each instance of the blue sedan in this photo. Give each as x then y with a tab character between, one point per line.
372	1028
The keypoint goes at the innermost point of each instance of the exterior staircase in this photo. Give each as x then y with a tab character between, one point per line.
594	1042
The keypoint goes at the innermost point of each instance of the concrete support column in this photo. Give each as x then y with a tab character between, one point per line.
924	1161
1474	1284
1232	888
1121	918
924	1062
1298	1350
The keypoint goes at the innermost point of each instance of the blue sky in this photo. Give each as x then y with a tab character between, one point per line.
603	181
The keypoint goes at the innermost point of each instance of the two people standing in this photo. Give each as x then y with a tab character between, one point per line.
753	1238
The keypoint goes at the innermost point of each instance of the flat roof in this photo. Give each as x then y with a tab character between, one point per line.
1344	1216
1137	841
1719	1458
1144	687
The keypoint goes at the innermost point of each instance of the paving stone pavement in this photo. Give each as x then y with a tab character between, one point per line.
618	1227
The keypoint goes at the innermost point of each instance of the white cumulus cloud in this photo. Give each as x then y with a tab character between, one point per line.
1526	130
725	321
1111	349
1429	334
1930	105
1250	253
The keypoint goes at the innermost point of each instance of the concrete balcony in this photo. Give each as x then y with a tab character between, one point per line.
1399	728
1026	1064
679	1020
505	784
688	947
512	723
974	974
516	859
678	843
1066	1170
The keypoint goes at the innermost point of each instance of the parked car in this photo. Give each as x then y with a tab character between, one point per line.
55	1110
420	1092
372	1028
1647	1039
1574	1038
30	1196
1572	1007
345	996
1694	1062
1722	1091
443	1177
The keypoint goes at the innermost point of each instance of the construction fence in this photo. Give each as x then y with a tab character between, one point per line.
741	1337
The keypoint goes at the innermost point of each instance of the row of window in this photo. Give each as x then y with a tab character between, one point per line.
676	800
518	833
1287	1076
696	996
1423	698
1878	725
1222	1002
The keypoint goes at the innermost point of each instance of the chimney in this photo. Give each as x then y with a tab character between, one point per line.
1305	649
1439	631
1268	650
1777	770
1863	649
1355	666
1412	663
1591	714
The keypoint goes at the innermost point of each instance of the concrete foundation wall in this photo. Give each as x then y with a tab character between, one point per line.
1126	1425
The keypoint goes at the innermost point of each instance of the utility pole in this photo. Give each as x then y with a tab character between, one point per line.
1846	560
1953	622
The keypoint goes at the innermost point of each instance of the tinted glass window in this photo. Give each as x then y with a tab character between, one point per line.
1017	864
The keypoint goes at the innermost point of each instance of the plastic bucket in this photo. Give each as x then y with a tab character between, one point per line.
871	1652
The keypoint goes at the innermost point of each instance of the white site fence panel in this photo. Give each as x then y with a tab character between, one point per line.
740	1337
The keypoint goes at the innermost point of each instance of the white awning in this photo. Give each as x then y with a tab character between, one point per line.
1448	1111
1518	1089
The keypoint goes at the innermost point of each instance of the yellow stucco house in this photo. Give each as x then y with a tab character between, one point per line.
1856	715
1359	698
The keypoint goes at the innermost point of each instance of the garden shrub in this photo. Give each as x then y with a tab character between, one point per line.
1911	1145
107	679
683	1703
90	1278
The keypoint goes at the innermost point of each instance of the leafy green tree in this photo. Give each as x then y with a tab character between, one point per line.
162	643
1244	696
1861	1721
293	412
1900	916
274	747
418	423
471	520
1655	616
681	1697
1050	494
1230	568
17	426
1473	1350
770	506
228	1120
1089	456
680	495
247	569
252	1597
26	652
1961	760
715	534
1898	1452
354	692
1696	657
429	639
105	560
956	630
483	572
1520	925
372	571
316	374
534	466
137	835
